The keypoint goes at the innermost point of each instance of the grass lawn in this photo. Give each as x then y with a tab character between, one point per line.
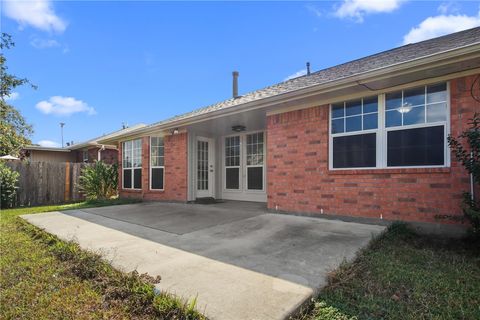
402	275
43	277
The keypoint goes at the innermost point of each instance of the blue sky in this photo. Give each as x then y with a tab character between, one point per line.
98	64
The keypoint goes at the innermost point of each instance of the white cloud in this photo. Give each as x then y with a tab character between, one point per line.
64	106
314	10
296	74
38	14
12	96
44	43
440	25
357	9
448	7
49	144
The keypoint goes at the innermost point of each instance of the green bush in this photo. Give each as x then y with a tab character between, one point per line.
8	181
99	181
466	148
325	312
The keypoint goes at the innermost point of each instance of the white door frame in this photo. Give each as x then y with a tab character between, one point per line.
243	193
210	192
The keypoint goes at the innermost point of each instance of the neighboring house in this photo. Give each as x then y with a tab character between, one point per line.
88	151
367	138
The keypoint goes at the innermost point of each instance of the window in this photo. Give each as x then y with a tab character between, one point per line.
405	128
85	156
132	164
232	162
157	165
255	161
416	125
354	133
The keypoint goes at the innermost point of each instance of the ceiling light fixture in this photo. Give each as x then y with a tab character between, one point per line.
238	128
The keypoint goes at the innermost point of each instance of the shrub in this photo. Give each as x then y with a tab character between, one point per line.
8	189
466	148
99	181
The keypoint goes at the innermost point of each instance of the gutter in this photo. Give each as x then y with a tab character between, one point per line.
336	84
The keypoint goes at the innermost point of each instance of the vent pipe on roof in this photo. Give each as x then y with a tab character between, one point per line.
235	84
308	68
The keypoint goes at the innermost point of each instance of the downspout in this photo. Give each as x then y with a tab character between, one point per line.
472	183
99	153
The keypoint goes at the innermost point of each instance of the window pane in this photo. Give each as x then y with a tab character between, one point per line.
157	178
416	147
370	104
414	96
370	121
393	100
437	112
337	125
353	124
437	93
353	107
338	110
414	116
232	178
356	151
127	154
255	149
232	151
393	118
127	178
137	178
255	178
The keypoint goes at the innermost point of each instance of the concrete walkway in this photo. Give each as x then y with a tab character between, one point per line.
240	262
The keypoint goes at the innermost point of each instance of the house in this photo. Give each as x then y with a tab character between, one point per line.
88	151
367	138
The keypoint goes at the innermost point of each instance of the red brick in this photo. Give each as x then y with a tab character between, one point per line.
425	193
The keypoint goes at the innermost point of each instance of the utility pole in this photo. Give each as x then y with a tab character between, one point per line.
61	129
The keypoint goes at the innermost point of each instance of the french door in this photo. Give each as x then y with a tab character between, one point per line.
205	173
244	163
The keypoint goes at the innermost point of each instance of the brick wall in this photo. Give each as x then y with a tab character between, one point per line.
176	167
109	156
299	179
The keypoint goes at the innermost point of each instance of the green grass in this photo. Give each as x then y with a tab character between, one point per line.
43	277
402	275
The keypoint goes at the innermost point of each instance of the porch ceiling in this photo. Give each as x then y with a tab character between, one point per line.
252	120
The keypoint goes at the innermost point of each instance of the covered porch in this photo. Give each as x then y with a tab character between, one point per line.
227	158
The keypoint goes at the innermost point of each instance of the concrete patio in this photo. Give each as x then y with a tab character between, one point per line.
240	261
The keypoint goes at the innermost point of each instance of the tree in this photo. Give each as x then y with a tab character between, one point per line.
466	148
15	132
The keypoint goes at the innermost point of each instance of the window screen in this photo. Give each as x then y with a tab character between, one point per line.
357	151
255	178
416	147
157	178
232	178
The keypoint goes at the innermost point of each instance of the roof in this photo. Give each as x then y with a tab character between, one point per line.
94	141
377	61
40	148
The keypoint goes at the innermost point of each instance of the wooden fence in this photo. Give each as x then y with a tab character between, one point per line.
42	183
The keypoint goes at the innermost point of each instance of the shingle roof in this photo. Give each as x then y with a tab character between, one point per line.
107	136
380	60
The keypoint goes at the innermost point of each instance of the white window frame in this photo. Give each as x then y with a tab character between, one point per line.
239	167
243	174
382	131
132	168
84	153
355	133
256	165
156	167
